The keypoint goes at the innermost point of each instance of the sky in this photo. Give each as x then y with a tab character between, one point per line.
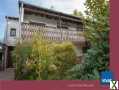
10	8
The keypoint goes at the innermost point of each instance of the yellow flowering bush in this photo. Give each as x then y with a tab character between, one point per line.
43	60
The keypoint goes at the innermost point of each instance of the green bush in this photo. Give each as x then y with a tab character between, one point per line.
43	60
65	58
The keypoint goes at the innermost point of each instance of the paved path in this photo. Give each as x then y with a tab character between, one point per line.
8	74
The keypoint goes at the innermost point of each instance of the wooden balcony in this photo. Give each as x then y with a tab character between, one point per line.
50	33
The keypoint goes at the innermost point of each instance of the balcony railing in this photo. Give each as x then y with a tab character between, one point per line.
50	33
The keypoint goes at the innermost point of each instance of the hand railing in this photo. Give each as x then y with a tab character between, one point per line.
51	33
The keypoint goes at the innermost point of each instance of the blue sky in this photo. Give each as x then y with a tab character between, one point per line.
10	8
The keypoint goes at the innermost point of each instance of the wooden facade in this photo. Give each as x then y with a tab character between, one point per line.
51	33
53	25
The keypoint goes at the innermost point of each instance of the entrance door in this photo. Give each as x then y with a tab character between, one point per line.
9	58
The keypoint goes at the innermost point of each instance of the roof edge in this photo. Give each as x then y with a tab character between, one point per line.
12	17
72	16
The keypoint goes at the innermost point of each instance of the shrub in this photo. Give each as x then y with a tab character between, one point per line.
65	58
43	60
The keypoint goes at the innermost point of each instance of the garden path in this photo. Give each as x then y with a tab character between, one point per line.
8	74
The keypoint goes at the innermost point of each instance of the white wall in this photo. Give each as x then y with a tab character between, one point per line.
10	40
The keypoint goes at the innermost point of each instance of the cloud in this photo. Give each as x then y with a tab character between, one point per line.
69	6
66	6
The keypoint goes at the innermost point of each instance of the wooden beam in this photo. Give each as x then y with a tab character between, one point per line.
28	10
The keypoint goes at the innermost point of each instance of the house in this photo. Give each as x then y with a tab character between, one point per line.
55	26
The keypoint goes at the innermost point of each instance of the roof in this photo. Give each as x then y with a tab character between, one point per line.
28	5
12	17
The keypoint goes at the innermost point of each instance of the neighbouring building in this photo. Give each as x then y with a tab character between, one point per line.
56	26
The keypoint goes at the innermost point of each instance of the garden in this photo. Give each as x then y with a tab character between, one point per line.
44	60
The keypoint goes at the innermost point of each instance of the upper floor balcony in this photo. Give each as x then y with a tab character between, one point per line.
51	33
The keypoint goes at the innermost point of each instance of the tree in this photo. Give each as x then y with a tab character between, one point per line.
97	31
77	13
96	58
52	7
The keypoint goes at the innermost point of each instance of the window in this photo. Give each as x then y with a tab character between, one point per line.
13	32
